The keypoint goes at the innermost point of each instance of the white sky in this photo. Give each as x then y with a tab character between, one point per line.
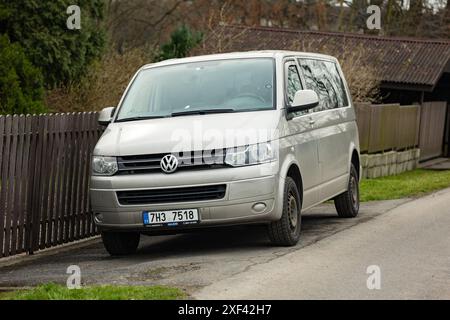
436	4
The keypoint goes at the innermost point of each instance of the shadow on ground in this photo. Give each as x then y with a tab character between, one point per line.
187	260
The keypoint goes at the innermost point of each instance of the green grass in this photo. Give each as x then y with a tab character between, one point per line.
408	184
53	291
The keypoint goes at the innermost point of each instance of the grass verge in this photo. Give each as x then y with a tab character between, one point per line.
53	291
408	184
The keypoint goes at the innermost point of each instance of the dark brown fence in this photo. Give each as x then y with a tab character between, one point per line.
387	127
44	177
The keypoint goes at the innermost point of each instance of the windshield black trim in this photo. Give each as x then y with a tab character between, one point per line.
274	83
201	112
140	118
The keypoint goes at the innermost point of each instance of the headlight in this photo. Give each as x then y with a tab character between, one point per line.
250	155
104	166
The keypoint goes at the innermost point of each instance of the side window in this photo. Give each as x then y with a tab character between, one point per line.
323	77
339	83
293	83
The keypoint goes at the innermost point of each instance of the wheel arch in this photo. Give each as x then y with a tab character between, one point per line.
290	167
356	162
355	159
294	173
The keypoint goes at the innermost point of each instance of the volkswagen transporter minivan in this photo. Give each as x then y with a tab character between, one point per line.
238	138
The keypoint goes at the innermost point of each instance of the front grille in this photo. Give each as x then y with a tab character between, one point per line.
186	194
187	161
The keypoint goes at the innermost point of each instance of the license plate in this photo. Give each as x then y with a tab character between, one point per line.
170	218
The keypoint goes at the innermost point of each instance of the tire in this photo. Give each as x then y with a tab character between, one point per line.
286	231
347	203
120	243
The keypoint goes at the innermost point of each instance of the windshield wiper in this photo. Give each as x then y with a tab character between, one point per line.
176	114
205	111
139	118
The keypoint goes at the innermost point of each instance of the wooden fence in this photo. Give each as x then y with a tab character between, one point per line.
387	127
44	176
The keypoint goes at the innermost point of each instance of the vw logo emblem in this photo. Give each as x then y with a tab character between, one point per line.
169	163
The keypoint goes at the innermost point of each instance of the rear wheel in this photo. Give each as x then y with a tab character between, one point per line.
286	231
347	203
120	243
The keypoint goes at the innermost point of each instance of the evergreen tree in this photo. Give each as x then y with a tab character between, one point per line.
182	40
21	84
40	27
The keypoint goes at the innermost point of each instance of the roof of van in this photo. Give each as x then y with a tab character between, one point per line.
239	55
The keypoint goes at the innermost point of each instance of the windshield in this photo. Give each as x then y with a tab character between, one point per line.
200	88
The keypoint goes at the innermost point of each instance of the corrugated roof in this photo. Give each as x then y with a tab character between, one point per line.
397	60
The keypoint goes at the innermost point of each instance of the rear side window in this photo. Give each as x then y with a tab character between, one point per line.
323	77
293	82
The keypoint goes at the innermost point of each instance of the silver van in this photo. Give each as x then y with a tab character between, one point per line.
237	138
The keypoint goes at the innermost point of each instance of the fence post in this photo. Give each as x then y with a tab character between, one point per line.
418	123
4	149
29	204
34	200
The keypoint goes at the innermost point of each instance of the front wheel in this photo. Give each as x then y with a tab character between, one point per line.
120	243
347	203
286	231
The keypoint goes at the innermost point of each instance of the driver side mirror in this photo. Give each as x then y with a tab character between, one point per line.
106	115
304	100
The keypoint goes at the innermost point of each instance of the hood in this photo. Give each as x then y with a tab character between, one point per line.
188	133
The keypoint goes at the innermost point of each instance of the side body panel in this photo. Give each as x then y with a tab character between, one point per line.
299	145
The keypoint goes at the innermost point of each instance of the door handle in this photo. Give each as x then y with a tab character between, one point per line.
311	122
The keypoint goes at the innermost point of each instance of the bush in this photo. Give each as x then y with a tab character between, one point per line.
361	77
63	55
21	84
103	85
182	40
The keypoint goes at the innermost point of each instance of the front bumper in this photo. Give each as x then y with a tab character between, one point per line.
248	200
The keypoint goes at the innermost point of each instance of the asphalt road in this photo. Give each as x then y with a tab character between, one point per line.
408	239
408	246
